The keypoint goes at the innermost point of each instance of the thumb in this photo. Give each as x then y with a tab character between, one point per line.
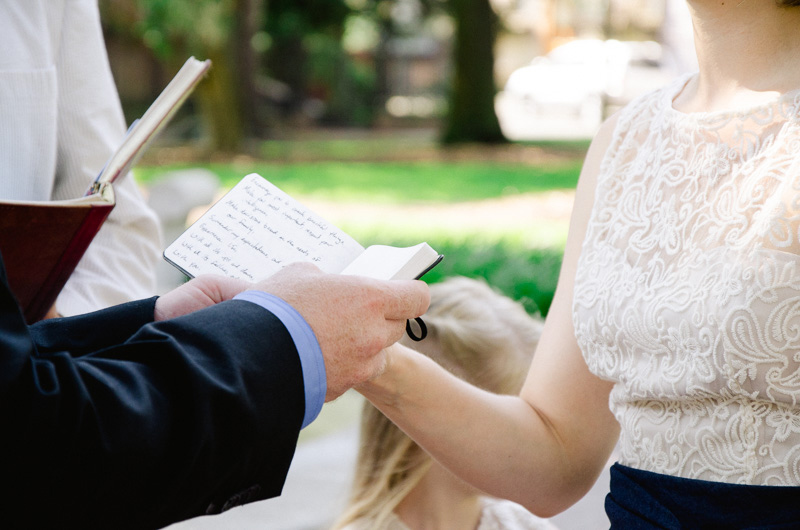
407	299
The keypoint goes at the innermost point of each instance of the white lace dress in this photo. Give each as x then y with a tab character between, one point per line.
687	294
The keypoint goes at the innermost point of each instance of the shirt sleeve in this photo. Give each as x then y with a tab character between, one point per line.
119	265
311	360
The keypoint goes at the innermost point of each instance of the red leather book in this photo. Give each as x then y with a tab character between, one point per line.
42	242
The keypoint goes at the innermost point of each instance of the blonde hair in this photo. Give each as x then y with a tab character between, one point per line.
476	333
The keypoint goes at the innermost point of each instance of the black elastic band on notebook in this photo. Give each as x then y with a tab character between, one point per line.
423	330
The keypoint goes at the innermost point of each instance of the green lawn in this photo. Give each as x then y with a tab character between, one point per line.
395	182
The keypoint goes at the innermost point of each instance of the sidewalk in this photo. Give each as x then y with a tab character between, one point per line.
319	483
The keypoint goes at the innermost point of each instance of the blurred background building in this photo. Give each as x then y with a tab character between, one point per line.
538	68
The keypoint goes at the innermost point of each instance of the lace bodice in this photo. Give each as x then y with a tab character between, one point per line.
687	294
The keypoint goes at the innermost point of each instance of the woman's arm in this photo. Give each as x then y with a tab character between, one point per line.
543	448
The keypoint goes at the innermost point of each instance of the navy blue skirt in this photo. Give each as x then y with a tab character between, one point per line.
642	499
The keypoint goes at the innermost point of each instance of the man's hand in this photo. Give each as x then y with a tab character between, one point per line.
52	313
201	292
354	318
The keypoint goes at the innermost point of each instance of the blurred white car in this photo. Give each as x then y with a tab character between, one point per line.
580	79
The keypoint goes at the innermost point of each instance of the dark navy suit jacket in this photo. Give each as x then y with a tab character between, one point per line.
108	420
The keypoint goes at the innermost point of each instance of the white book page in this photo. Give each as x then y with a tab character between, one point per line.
254	231
393	263
144	130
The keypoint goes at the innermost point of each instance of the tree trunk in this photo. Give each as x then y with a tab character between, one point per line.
381	62
219	104
288	63
248	21
471	115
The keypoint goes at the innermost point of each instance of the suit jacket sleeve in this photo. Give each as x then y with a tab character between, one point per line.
112	421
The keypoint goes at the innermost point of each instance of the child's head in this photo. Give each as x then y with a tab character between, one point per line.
476	333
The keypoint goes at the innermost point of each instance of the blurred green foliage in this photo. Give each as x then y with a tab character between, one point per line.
287	18
283	63
346	85
171	27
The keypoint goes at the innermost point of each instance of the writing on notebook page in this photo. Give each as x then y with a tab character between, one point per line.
226	242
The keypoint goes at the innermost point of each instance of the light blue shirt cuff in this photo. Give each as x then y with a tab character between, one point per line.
311	360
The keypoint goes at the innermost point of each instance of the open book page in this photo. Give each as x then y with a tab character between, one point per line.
97	198
393	263
145	129
103	195
255	230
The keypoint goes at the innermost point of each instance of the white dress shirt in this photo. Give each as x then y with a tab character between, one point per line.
60	120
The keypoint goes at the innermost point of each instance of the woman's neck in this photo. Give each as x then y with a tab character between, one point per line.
440	501
747	51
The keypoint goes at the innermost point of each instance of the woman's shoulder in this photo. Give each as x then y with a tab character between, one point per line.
628	127
506	515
